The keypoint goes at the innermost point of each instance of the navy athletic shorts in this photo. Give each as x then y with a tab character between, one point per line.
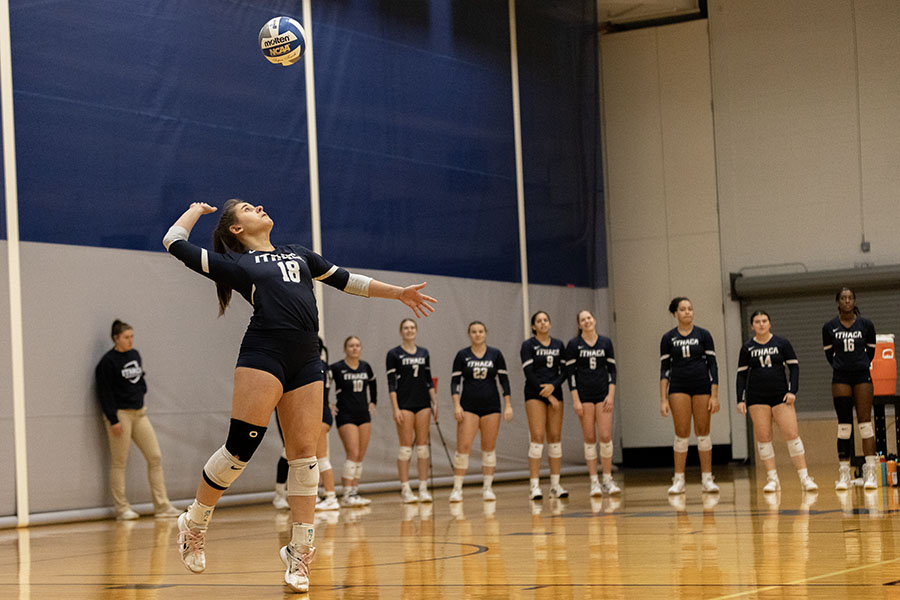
482	409
291	356
691	387
352	418
851	378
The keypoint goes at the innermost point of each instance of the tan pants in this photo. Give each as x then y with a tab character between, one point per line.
135	426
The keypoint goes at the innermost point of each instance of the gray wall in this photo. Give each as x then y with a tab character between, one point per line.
72	294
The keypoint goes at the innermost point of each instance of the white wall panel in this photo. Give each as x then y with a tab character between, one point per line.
651	264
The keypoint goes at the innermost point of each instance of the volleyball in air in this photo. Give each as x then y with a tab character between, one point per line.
282	41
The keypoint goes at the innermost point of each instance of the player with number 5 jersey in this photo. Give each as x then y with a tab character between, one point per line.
278	364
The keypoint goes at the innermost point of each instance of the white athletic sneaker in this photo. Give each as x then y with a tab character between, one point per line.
328	503
596	489
191	544
456	495
351	501
558	491
424	496
677	486
709	486
170	512
127	514
362	501
535	493
297	574
280	500
488	494
407	496
869	480
808	485
772	485
610	487
843	482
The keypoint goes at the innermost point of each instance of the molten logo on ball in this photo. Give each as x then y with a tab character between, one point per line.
282	41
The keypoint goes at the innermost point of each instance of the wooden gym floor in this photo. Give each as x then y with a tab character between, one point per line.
745	546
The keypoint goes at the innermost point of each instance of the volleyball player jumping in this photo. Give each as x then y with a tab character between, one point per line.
278	364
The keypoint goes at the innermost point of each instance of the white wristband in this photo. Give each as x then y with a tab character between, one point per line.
358	285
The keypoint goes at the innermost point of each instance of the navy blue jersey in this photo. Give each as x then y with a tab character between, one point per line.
760	373
278	284
590	369
849	348
543	364
690	357
120	382
351	385
409	375
475	379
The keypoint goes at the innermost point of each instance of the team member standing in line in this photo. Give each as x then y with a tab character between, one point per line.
352	378
542	362
591	371
689	387
326	473
121	387
763	390
849	342
476	407
414	402
278	364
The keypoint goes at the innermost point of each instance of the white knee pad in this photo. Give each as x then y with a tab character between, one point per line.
845	430
704	443
488	458
357	474
324	465
460	461
349	469
535	450
555	450
222	469
681	444
766	451
590	451
606	449
303	476
795	447
405	453
422	452
866	430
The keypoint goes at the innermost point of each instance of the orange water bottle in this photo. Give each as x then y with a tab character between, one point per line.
884	366
891	472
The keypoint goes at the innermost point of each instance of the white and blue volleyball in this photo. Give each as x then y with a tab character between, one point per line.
282	41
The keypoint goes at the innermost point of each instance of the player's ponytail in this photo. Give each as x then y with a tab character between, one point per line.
118	327
223	241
